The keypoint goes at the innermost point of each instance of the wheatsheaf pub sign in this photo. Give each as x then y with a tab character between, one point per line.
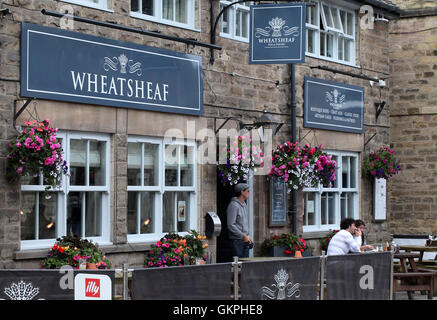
277	33
69	66
333	106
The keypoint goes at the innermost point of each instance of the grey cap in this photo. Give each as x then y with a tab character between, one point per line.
240	187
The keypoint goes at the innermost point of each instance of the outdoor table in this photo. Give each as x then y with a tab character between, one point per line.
421	250
407	256
414	273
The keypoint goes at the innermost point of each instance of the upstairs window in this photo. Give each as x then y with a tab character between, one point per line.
234	22
330	32
97	4
179	13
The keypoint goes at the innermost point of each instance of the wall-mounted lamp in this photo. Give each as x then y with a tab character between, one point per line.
379	106
266	121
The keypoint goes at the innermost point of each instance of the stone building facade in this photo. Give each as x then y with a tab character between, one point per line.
413	109
231	89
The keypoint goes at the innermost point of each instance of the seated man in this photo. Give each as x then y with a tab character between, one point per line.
348	239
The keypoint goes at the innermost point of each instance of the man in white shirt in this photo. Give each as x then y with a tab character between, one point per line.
348	239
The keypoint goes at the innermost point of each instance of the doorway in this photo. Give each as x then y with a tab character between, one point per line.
224	196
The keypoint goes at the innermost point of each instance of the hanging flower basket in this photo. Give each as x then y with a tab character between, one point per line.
241	157
303	166
381	164
37	150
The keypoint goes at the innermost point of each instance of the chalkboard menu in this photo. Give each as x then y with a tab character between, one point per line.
278	200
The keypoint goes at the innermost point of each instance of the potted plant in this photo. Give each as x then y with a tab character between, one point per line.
172	250
37	151
71	250
238	158
381	164
303	166
283	245
324	242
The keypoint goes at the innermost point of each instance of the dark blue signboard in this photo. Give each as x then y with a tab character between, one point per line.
333	106
277	33
69	66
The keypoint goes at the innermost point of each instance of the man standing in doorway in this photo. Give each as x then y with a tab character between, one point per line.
238	221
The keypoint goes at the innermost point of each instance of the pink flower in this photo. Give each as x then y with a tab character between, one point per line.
20	169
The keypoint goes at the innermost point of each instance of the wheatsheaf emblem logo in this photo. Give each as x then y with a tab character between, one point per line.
122	62
335	99
21	291
278	29
282	289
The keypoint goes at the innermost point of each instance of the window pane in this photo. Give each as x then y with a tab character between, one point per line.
224	23
28	215
353	172
238	23
132	212
345	172
151	164
324	208
335	158
77	162
171	165
327	16
310	208
167	9
322	44
331	206
244	24
187	166
74	214
183	210
47	215
181	11
343	20
335	18
142	203
340	48
97	160
134	164
347	50
134	5
147	7
169	212
93	214
311	38
147	210
330	46
350	204
350	24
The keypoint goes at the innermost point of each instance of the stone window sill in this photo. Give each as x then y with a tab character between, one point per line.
108	249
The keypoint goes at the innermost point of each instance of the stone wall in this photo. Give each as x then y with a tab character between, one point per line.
232	88
413	113
415	4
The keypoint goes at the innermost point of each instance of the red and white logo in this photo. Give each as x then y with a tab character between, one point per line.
92	288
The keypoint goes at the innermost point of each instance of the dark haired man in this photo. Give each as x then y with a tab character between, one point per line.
238	221
348	239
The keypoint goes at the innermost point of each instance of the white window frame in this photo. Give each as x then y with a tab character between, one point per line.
332	31
338	189
66	188
161	188
158	18
101	5
232	12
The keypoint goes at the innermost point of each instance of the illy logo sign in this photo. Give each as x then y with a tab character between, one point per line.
92	288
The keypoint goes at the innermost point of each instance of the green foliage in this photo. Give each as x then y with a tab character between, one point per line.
69	250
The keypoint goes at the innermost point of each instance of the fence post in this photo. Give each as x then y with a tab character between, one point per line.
322	275
235	266
125	280
391	274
